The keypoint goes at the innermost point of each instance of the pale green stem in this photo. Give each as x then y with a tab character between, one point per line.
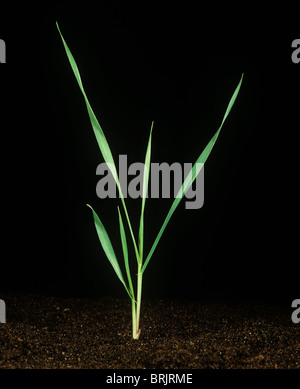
139	299
133	308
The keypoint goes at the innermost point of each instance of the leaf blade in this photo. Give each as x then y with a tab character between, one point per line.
145	189
108	248
100	136
193	174
125	253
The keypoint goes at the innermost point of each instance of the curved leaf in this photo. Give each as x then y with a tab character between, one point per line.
101	139
107	247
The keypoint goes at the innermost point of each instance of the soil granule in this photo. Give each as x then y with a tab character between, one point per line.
60	333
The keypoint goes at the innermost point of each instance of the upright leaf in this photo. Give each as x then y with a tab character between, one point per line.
125	253
192	174
145	190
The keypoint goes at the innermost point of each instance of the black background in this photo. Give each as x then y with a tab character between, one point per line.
177	65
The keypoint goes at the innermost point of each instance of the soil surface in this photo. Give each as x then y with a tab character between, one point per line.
55	333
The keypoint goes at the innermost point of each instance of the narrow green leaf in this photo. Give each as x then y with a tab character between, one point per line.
125	253
145	190
101	139
192	174
107	247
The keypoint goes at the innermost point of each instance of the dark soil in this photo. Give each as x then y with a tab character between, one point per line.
48	332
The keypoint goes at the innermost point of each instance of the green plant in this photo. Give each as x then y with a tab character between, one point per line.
101	231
